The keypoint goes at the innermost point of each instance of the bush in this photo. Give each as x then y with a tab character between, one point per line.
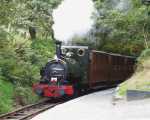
22	59
24	96
20	62
144	55
44	47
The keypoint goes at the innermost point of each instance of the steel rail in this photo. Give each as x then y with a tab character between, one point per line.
29	111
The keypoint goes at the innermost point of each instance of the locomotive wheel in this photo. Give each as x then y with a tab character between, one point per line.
39	92
76	91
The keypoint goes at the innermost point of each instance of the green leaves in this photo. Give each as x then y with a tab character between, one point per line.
22	14
123	30
21	58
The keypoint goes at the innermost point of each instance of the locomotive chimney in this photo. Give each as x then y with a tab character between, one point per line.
58	49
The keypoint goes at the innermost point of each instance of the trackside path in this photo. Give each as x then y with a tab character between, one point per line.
98	106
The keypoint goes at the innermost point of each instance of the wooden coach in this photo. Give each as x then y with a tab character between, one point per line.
107	69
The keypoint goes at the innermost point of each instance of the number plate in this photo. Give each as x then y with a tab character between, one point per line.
53	79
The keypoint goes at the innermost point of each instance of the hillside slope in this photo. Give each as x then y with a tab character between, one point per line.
141	78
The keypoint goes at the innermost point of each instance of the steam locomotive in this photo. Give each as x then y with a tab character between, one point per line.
76	69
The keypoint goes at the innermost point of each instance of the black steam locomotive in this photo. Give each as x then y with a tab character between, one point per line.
62	75
76	68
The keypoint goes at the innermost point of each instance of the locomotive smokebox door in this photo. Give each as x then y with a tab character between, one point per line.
77	58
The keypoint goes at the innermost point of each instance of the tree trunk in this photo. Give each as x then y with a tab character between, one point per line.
32	32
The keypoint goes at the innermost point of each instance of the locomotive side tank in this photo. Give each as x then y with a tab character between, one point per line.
77	61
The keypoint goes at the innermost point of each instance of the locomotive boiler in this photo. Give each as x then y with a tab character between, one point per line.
76	69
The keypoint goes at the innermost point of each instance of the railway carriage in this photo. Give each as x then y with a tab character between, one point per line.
77	68
109	69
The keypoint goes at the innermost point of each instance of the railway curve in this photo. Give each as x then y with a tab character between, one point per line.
29	111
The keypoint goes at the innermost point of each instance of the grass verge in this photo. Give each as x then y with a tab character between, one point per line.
141	78
6	95
12	96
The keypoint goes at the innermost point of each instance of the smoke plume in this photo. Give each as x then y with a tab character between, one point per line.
72	17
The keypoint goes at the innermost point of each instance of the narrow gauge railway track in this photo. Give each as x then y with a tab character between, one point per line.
29	111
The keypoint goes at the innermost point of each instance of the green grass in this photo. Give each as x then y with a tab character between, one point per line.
11	95
139	81
6	96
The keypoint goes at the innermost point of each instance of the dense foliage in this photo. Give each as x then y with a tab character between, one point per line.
25	46
120	26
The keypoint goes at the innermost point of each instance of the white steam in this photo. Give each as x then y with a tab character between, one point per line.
72	17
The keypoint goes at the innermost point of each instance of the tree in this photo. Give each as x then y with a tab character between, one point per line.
20	57
35	15
121	26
